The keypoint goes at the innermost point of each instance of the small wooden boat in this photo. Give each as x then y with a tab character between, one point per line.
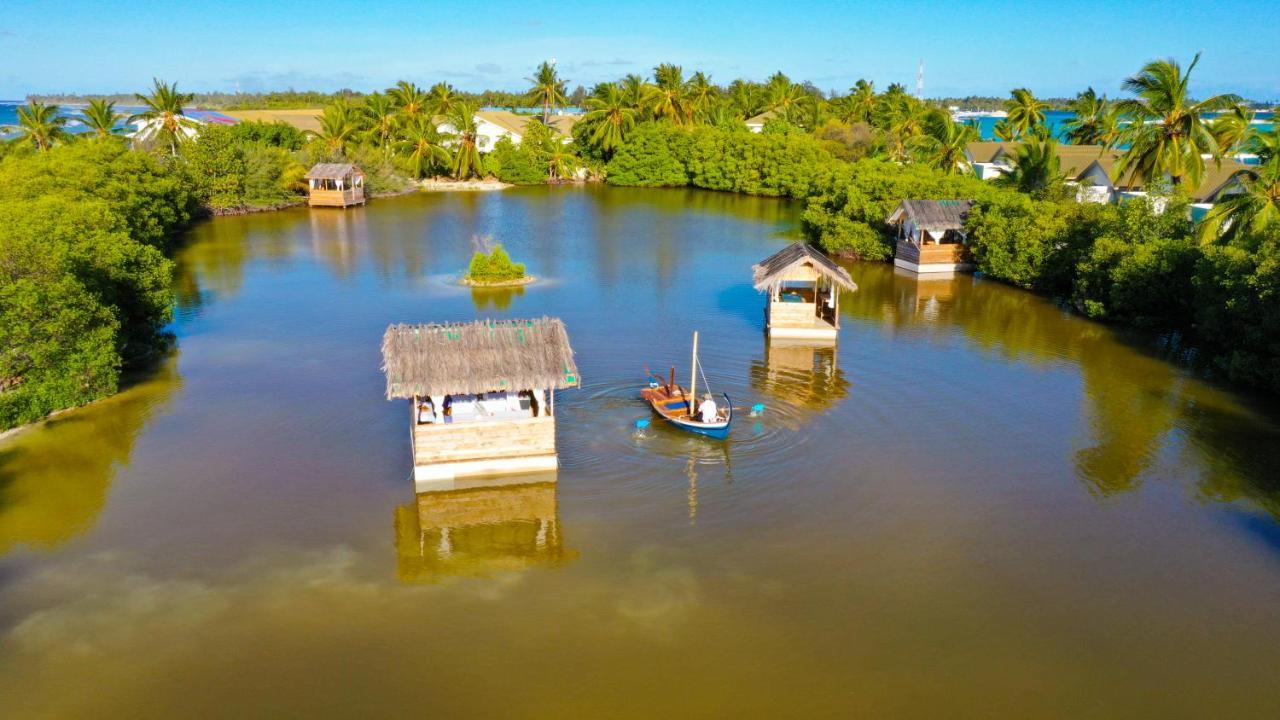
680	407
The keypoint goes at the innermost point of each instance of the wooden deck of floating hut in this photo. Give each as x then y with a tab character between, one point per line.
804	292
931	235
483	395
335	185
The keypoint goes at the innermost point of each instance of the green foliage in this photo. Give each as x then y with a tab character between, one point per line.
494	266
847	215
650	157
269	134
517	164
1014	238
231	173
1237	311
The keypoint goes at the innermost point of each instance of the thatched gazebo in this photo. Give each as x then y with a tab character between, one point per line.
335	185
804	292
931	235
483	394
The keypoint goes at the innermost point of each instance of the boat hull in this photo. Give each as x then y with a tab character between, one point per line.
674	409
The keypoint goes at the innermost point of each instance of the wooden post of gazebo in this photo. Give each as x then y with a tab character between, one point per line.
482	394
804	292
335	185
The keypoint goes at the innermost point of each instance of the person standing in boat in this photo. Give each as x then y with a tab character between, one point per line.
708	409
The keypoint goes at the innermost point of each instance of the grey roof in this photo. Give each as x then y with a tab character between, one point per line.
769	270
477	357
935	215
331	171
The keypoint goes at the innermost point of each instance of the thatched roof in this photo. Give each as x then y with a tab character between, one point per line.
331	171
773	268
933	215
483	356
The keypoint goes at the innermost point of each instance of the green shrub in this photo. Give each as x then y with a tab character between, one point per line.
495	266
650	157
516	164
231	173
269	134
1014	238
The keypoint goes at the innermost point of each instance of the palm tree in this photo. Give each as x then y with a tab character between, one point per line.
1037	170
560	160
861	101
410	100
548	90
1026	112
1167	132
164	114
422	145
634	90
39	124
701	94
905	119
1089	124
380	120
466	155
1265	145
944	142
1233	129
1253	209
101	117
788	100
744	98
666	98
612	117
337	127
441	98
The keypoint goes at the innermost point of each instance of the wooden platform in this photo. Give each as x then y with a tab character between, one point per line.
336	198
932	258
444	452
801	325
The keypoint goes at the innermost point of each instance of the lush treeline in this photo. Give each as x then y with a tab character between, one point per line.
85	230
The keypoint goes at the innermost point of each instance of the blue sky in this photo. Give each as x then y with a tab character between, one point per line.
968	47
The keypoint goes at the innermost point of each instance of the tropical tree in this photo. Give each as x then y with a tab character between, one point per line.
1265	145
466	153
337	127
861	101
1254	208
745	99
1036	170
943	144
1093	121
1233	129
40	125
422	146
666	97
1167	132
164	117
101	117
379	120
789	100
410	100
610	115
1025	112
441	98
634	90
1004	130
701	94
905	118
548	90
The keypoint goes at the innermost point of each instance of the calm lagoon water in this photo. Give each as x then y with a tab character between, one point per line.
975	505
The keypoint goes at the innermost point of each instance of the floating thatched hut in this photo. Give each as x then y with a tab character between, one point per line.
931	235
483	394
335	185
804	292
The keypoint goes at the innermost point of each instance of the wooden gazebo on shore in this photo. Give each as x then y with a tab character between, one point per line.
804	292
931	235
483	395
335	185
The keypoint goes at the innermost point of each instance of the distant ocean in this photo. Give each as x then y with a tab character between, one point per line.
1057	119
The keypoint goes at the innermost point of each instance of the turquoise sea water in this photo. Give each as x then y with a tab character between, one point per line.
1057	119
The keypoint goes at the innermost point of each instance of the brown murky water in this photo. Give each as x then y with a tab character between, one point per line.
976	505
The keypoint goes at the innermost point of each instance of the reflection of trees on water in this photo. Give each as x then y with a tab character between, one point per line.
804	375
496	298
1132	398
54	478
487	527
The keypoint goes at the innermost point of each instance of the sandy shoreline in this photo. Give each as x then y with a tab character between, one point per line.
446	185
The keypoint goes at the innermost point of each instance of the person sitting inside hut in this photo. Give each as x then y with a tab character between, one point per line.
426	411
708	409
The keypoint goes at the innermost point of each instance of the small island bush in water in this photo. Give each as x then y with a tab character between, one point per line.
495	268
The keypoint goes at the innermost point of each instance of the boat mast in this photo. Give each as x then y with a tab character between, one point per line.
693	375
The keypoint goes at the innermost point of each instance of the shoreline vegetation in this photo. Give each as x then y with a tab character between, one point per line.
90	221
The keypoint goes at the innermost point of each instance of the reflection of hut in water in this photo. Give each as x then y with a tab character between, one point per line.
335	185
483	394
483	527
926	296
802	373
804	292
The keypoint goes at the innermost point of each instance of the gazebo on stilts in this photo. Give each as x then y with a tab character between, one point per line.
804	293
